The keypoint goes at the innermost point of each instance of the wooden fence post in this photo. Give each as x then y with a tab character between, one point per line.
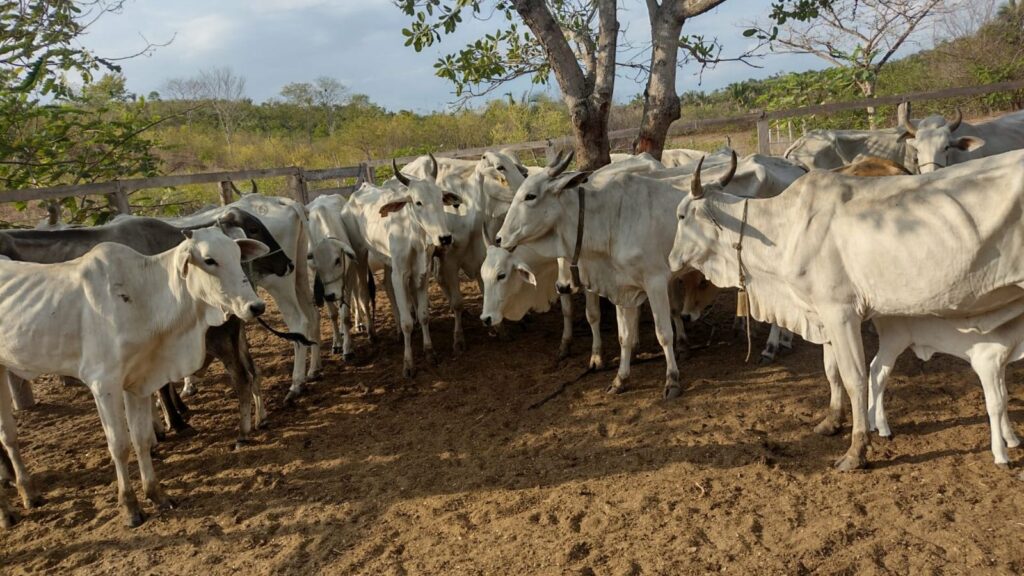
764	145
21	392
120	200
903	113
297	187
227	194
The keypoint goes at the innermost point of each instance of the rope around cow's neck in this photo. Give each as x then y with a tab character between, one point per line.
574	266
743	298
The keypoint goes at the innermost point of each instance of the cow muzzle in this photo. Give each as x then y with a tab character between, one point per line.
257	308
446	240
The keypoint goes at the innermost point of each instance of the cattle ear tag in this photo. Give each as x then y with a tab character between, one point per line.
742	304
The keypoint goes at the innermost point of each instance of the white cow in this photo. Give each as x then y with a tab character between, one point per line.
624	248
336	268
399	230
940	143
286	221
988	354
828	149
124	324
835	250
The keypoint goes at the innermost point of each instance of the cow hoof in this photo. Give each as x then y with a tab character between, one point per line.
849	463
316	376
564	349
134	519
765	360
672	391
161	436
188	391
596	362
336	350
828	427
408	372
431	356
30	500
292	396
241	443
618	386
7	519
459	346
1003	465
349	356
186	432
1013	443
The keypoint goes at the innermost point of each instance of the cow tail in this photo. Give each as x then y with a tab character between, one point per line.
318	290
289	336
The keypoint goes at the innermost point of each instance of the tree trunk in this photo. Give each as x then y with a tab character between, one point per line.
661	102
587	95
867	88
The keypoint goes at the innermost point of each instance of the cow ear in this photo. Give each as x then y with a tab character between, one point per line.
252	249
523	170
187	234
451	199
526	274
968	143
393	207
183	257
344	247
568	180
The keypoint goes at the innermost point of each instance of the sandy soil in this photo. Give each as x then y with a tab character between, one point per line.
453	473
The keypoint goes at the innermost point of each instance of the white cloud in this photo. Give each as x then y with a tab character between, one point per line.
204	35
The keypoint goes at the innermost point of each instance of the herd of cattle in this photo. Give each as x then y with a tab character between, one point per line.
919	229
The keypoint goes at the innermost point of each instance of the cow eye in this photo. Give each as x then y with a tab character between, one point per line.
210	262
337	262
529	197
501	276
418	203
682	217
309	256
501	168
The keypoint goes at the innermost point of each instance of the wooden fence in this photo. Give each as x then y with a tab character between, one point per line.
298	178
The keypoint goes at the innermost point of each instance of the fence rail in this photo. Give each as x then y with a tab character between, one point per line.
298	178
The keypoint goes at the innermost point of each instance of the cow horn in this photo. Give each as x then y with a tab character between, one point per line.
235	188
433	167
724	180
560	164
398	174
696	190
254	190
909	128
956	120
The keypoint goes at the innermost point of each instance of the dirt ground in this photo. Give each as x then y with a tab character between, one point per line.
453	473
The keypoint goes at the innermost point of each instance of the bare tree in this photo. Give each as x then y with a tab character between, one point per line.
858	35
184	89
225	90
329	93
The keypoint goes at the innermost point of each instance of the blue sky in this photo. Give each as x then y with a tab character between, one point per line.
359	42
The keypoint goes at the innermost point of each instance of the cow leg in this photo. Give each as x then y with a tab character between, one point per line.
389	288
832	423
449	281
332	315
9	439
140	427
844	334
1009	435
402	308
593	311
344	321
21	391
785	338
628	318
565	347
771	348
190	387
316	361
657	296
111	406
878	375
423	317
298	319
171	412
160	424
988	362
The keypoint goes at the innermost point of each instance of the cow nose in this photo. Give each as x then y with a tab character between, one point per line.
289	268
258	308
497	240
446	240
486	319
687	318
330	297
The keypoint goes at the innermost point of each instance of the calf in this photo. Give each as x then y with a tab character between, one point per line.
125	324
988	354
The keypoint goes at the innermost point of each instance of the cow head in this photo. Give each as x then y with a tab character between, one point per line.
935	144
331	258
500	175
238	223
425	201
699	295
696	228
505	277
210	263
536	207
